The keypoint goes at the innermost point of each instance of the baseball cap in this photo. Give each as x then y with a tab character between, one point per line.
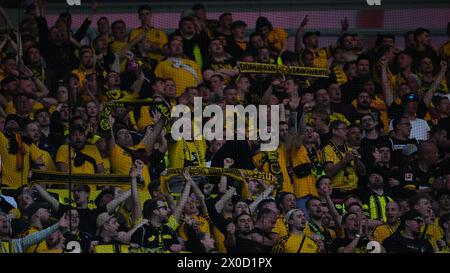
310	33
34	207
102	218
187	13
409	150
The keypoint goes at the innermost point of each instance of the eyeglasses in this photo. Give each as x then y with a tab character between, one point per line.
162	207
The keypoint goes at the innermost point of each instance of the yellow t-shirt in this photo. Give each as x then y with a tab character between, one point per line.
145	118
381	232
444	51
303	185
117	46
346	178
191	151
87	167
154	35
11	175
321	56
433	232
341	77
276	37
295	243
106	165
121	162
183	76
48	160
264	166
280	227
40	247
81	73
202	220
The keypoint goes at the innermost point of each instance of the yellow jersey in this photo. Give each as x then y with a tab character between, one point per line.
295	243
40	247
16	167
381	232
203	222
444	51
121	161
184	153
305	162
155	36
280	227
432	232
275	38
86	167
275	162
346	178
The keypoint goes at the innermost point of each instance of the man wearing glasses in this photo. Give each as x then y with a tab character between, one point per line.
407	238
400	138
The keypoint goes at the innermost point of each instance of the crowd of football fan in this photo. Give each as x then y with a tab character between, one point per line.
364	155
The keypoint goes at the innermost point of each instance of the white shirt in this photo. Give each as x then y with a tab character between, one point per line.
419	129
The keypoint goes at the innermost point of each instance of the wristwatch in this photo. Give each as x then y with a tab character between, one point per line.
358	236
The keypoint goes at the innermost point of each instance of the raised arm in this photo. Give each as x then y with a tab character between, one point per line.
111	206
227	163
135	171
387	92
299	35
227	196
21	244
184	196
437	81
266	193
326	193
151	136
41	90
6	18
199	194
46	196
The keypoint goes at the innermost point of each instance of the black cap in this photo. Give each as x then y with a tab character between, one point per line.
34	207
310	33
